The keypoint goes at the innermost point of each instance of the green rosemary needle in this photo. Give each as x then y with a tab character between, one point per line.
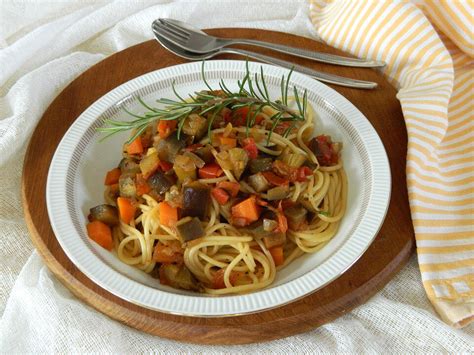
252	93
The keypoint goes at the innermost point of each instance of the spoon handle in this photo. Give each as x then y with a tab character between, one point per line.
324	77
313	55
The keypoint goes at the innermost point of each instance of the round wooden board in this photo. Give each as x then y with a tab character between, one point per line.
388	253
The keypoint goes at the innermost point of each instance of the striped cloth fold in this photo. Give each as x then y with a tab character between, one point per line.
428	46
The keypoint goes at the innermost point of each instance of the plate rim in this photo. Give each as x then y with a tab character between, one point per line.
222	65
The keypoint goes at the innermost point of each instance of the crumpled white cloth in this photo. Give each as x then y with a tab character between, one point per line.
43	47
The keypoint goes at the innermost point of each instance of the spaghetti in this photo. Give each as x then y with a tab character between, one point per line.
221	213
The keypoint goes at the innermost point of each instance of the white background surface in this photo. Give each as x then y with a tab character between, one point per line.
43	47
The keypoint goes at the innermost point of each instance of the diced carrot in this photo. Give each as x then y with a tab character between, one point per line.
112	176
275	179
114	188
277	255
165	128
231	187
168	253
135	147
229	142
248	144
220	195
100	233
218	279
247	209
210	171
126	209
165	166
168	214
282	222
141	185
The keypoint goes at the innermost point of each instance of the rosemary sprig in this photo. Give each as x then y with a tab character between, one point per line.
252	93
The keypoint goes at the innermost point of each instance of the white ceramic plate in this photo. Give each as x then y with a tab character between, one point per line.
75	184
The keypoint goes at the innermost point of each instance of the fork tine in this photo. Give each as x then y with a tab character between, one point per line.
176	33
167	35
163	27
174	26
165	32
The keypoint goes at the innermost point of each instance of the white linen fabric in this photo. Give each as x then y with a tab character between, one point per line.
43	47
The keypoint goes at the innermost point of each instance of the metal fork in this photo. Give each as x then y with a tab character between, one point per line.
192	39
163	38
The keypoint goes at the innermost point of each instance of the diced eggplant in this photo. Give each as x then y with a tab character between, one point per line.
190	229
129	166
174	197
196	159
117	233
295	215
169	147
149	164
105	213
260	164
258	182
239	159
223	159
155	273
178	276
277	193
255	230
269	225
205	153
274	240
184	168
195	125
160	182
111	193
196	200
127	186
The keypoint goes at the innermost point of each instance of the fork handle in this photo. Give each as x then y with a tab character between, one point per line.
327	78
313	55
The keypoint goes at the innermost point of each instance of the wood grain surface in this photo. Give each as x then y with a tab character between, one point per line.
388	253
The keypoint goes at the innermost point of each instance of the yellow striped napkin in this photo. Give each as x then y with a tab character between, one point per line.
428	46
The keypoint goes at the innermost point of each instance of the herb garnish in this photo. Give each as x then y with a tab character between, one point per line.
252	93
